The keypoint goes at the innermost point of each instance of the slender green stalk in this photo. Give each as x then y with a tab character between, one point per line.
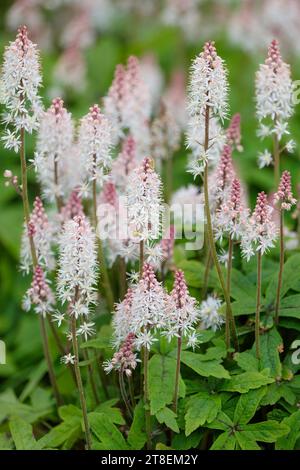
122	277
280	273
131	391
34	263
228	286
124	395
80	385
91	375
176	391
276	153
206	273
146	400
102	263
141	257
258	300
211	241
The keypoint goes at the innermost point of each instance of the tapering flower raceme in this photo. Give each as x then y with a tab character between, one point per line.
19	84
144	202
42	232
233	132
125	360
39	294
232	217
208	90
274	90
95	143
208	84
54	142
122	318
284	196
73	207
260	233
77	272
167	245
128	104
146	310
210	314
183	312
125	162
223	176
165	134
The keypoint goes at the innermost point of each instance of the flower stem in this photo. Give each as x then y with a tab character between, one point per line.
281	263
102	263
91	375
146	399
79	385
276	151
206	273
34	263
141	257
176	391
123	393
258	300
210	236
228	286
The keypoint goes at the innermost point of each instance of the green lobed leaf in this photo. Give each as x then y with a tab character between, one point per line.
22	435
247	405
201	408
288	441
205	368
267	431
137	435
167	416
161	376
106	432
226	441
246	381
269	343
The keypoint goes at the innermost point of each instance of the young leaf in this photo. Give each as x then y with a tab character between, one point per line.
168	417
247	405
205	368
201	408
267	431
226	441
137	436
106	432
162	371
22	435
246	381
288	441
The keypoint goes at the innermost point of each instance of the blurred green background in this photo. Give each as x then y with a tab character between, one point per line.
129	31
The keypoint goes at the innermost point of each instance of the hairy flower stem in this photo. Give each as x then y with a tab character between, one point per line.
228	286
102	263
146	399
276	151
58	199
60	346
80	385
34	263
91	375
280	273
210	236
141	257
124	395
258	300
131	391
176	390
206	273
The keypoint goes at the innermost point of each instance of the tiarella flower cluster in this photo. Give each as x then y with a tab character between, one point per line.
19	84
143	311
210	315
144	202
274	90
39	294
233	133
128	104
73	207
125	162
208	93
77	272
125	360
165	134
54	144
284	196
183	312
222	177
260	233
232	217
42	233
95	144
